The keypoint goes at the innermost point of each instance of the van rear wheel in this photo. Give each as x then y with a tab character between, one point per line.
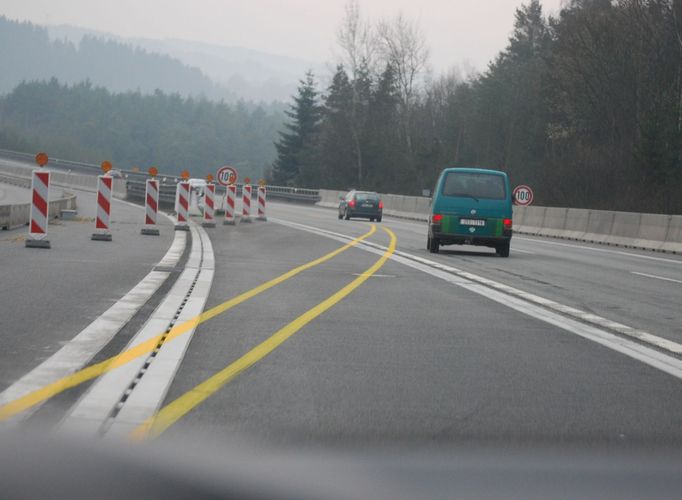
503	249
433	245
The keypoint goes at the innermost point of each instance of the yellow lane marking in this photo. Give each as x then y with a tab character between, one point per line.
31	399
175	410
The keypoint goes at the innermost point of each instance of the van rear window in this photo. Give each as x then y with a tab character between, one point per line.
473	185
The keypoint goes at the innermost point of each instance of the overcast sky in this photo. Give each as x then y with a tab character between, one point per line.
456	30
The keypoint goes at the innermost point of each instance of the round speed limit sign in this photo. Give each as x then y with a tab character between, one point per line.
523	195
226	176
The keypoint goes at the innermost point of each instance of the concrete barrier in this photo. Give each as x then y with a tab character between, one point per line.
554	222
533	220
626	226
627	229
65	179
673	242
17	215
576	224
653	231
599	226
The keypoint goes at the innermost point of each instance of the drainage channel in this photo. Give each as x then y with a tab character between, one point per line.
125	396
152	356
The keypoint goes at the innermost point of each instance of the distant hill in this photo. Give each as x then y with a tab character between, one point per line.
27	53
250	74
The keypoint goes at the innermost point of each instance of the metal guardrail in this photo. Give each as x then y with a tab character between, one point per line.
135	186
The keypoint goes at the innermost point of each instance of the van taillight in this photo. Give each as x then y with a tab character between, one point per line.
507	223
381	204
351	203
436	218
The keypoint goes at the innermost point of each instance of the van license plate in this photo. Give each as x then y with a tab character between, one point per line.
472	222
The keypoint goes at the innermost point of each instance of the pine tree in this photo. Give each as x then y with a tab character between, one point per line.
295	147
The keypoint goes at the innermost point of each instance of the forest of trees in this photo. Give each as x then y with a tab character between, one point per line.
585	107
87	123
28	54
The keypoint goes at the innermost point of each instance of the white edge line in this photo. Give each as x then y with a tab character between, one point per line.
603	250
656	277
533	305
85	345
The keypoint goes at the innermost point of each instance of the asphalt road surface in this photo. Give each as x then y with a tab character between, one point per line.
374	342
411	357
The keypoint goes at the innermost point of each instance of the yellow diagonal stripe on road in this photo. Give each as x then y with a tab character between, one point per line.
174	411
31	399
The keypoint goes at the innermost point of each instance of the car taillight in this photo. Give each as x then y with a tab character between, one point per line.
381	204
351	203
436	218
507	223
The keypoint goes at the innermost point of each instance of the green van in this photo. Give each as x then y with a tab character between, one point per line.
471	206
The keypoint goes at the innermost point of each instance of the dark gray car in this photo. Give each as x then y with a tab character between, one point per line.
366	204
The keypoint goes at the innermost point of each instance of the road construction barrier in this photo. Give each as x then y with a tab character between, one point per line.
40	192
151	205
209	206
230	197
102	232
261	203
182	205
246	203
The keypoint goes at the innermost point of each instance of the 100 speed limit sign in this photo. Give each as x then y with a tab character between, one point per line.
523	195
226	176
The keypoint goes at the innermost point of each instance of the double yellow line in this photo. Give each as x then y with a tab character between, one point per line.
174	411
46	392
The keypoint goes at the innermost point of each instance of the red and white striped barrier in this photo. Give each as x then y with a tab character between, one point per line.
246	203
230	197
37	230
104	185
182	205
151	205
261	203
209	206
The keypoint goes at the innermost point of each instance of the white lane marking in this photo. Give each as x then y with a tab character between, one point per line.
656	277
603	250
90	415
375	275
514	249
80	350
527	298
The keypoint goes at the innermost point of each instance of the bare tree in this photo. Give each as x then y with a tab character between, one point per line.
402	44
357	40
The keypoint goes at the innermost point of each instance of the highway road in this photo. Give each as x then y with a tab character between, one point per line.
372	341
396	369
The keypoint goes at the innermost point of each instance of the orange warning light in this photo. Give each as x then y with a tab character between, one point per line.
41	159
153	171
247	180
106	166
209	178
185	174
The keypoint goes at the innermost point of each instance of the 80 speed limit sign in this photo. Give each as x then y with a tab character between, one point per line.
523	195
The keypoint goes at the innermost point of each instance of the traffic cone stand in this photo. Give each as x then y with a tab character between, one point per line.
230	196
37	232
104	185
209	206
261	203
182	208
151	207
246	203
